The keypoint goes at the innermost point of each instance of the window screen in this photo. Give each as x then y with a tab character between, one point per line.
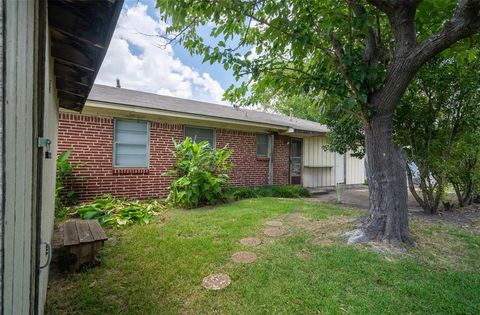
201	134
262	144
131	143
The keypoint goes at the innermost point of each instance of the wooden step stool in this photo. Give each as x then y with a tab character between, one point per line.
81	240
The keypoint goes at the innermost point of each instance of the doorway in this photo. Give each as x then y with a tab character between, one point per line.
295	161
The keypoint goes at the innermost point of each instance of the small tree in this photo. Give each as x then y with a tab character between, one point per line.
201	174
436	124
464	168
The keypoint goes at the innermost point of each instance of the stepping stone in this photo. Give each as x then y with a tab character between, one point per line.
244	257
217	281
274	223
274	231
250	241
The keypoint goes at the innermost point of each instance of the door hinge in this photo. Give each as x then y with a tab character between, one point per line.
45	143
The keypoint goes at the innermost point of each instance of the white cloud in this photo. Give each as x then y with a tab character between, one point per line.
134	56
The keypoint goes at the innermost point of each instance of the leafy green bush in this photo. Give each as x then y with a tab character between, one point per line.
279	191
201	173
115	211
244	193
64	171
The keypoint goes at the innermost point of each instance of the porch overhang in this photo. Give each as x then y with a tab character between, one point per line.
80	35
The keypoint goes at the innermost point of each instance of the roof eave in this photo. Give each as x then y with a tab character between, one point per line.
81	32
94	106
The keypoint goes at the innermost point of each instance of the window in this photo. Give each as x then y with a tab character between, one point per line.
201	134
130	143
263	145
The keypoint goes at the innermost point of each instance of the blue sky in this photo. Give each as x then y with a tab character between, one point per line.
140	64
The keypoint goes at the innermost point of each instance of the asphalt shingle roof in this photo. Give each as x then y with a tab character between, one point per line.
102	93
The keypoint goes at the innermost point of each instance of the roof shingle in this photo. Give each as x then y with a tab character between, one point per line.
113	95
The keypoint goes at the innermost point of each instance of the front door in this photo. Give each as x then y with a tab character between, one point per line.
296	162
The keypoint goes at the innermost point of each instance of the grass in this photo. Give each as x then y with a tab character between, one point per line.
158	268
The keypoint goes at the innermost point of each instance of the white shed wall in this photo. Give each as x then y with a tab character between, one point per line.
19	154
318	164
49	170
355	170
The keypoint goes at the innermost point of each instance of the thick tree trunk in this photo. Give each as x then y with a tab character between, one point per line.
387	218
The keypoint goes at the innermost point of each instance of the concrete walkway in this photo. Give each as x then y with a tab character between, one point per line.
357	197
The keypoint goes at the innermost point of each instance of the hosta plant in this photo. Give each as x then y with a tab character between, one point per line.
118	212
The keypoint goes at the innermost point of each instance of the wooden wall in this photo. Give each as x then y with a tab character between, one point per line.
50	131
20	85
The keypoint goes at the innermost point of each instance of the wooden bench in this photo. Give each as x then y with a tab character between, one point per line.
81	240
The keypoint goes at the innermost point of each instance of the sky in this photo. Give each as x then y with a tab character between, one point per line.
141	64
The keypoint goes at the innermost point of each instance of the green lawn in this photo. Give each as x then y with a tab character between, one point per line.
158	268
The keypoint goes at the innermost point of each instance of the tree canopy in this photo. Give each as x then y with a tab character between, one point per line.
355	58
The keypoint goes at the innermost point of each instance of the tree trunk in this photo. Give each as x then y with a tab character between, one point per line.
387	218
413	191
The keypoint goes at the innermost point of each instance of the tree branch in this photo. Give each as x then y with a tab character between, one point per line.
465	22
408	59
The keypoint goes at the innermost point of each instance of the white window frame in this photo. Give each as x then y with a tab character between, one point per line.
269	149
199	127
114	160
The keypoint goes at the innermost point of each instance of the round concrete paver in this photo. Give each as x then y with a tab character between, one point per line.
217	281
250	241
274	231
244	257
274	223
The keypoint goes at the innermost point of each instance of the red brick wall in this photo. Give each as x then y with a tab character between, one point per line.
249	169
281	160
92	140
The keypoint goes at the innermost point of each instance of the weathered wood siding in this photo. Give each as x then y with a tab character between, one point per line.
2	152
318	164
19	144
48	168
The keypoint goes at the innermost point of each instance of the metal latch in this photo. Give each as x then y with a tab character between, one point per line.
45	143
48	252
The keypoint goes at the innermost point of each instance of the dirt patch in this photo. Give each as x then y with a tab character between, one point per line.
302	254
459	217
274	223
325	231
251	241
274	231
217	281
244	257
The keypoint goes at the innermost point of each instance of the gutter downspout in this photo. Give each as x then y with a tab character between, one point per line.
270	161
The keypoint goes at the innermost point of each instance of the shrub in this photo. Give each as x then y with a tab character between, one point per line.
64	170
119	212
279	191
201	173
243	193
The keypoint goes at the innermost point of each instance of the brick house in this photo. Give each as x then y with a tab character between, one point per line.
123	140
